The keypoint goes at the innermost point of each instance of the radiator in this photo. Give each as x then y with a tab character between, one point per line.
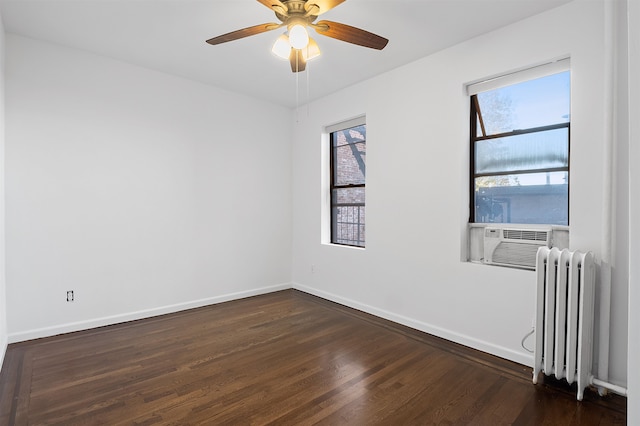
564	316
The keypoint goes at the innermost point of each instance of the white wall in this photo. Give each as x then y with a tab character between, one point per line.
142	192
633	402
620	201
417	186
3	299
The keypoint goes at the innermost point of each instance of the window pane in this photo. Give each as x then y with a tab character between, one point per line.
351	135
348	164
536	198
349	156
530	151
348	215
534	103
348	196
348	225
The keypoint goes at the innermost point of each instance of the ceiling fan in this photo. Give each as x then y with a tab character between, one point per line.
295	44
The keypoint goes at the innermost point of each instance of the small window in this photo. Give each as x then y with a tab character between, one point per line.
348	171
520	152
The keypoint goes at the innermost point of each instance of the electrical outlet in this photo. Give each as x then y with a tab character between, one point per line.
314	269
70	296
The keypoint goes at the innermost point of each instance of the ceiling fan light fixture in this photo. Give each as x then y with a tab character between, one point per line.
282	48
311	51
297	16
298	36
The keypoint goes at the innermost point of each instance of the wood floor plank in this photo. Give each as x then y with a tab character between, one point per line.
285	358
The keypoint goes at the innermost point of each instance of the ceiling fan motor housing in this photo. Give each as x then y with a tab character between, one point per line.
296	13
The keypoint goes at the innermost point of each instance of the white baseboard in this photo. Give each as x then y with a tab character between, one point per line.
462	339
3	349
132	316
397	318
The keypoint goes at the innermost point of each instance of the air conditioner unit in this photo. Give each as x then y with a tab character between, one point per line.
514	246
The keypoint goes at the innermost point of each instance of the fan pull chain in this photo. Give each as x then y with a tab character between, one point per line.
297	92
308	79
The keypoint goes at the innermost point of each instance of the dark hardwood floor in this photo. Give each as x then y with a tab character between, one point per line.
284	358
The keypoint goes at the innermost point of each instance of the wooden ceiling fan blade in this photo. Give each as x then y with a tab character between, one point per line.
350	34
275	5
297	61
245	32
316	7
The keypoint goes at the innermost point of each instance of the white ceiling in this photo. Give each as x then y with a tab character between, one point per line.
169	36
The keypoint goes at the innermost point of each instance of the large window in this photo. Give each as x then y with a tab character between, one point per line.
520	151
348	171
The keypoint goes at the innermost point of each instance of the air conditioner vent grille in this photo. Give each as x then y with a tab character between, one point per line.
525	234
514	246
516	254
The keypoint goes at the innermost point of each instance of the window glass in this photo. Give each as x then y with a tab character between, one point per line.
349	151
348	195
538	150
349	225
531	198
520	152
535	103
348	172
